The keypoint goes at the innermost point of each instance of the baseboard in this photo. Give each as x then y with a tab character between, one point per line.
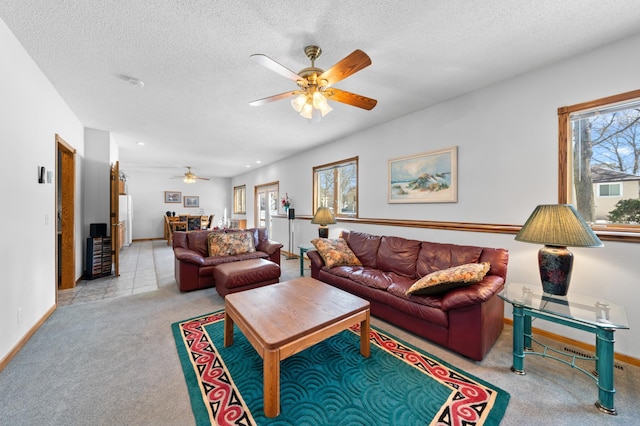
14	351
584	346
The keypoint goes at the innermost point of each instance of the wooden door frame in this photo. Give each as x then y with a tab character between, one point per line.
66	184
114	210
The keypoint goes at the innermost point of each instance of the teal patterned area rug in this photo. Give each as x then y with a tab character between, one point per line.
330	383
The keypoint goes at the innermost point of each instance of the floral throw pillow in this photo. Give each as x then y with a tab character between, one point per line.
444	280
230	244
335	252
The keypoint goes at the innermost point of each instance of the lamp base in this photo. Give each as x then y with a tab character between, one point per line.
323	232
555	269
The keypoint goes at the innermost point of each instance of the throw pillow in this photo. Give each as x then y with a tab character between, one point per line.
446	279
230	244
335	252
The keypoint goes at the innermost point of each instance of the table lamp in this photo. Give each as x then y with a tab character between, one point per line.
557	226
323	217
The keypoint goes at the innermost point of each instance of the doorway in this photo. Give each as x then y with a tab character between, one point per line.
65	214
266	205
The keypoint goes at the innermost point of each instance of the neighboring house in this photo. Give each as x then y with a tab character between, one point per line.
611	186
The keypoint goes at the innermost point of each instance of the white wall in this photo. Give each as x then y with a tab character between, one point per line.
507	164
96	179
32	113
147	191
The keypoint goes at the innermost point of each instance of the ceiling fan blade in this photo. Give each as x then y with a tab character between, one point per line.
347	66
351	99
275	66
201	178
275	98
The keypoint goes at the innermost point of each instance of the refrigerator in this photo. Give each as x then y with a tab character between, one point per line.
125	215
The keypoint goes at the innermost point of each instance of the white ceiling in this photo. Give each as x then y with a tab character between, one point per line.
193	57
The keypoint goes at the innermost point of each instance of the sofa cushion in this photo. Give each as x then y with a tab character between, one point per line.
198	242
398	255
365	247
436	257
442	281
335	252
400	287
230	244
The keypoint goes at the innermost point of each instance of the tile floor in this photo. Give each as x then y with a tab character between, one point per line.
137	275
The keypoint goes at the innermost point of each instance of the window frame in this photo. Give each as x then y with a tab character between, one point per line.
616	232
335	165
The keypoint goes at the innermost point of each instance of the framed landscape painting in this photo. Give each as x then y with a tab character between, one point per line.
430	177
191	201
172	197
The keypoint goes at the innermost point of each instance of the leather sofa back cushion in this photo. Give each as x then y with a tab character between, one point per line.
436	257
398	255
230	244
198	242
365	247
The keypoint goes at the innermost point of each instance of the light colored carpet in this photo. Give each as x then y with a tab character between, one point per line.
114	362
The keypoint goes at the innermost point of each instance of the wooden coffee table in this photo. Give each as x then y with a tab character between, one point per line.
283	319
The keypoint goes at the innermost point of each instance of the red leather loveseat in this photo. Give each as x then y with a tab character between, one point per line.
194	267
467	320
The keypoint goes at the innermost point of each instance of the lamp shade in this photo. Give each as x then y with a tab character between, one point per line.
558	225
323	217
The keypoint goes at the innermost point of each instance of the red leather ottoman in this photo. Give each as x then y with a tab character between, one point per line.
245	274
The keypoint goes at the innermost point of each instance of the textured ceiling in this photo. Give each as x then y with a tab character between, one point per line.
193	56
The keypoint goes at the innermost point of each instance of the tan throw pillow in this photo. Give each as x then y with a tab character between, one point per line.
230	244
335	252
442	281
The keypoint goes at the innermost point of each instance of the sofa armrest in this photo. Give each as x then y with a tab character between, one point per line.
189	256
316	262
269	246
474	294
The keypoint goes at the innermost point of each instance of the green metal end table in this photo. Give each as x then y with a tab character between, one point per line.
576	311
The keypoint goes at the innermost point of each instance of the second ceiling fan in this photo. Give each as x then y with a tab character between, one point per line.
190	177
315	84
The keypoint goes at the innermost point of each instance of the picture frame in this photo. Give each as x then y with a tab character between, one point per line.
429	177
191	201
239	199
172	197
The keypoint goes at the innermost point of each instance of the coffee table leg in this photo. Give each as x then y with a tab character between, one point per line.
228	330
271	367
365	345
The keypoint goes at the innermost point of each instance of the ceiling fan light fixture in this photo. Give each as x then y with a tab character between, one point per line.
307	111
320	102
298	102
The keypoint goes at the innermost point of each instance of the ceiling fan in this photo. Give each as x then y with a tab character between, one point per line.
315	84
189	176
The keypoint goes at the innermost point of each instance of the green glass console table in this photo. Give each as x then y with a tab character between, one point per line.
576	311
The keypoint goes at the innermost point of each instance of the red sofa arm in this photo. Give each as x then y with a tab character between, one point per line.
188	256
316	261
268	246
474	294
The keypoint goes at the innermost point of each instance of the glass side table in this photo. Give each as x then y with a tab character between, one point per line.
303	250
574	310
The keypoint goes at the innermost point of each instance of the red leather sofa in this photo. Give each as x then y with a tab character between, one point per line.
194	267
466	320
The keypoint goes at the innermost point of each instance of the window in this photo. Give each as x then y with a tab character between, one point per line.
599	166
335	186
609	190
239	199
